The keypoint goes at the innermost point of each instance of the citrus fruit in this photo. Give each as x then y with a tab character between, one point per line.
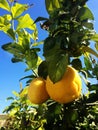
37	93
67	89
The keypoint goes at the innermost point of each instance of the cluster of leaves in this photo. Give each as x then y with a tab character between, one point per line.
71	31
22	114
50	115
20	27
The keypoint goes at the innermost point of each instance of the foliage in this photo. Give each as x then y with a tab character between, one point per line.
71	33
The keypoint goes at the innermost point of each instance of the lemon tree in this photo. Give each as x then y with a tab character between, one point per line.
69	61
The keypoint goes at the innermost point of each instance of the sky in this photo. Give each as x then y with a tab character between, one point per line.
10	73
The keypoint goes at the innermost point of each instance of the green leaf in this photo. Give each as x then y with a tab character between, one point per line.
10	98
4	23
76	63
51	5
93	87
88	64
18	9
11	33
4	5
31	59
95	70
29	76
26	22
96	46
95	37
88	25
43	69
15	93
89	50
40	19
13	48
57	66
85	14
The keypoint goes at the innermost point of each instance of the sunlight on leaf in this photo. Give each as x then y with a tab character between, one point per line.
4	5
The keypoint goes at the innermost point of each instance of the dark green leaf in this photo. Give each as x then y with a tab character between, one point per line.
31	59
40	19
43	69
95	70
11	33
14	59
12	48
88	25
76	63
29	76
85	14
93	87
10	98
57	66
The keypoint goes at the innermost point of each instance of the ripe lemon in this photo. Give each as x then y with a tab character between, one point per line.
37	93
67	89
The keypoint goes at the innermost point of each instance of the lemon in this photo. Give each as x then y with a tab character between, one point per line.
37	93
67	89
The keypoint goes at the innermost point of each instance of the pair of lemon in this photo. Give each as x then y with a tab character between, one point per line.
63	91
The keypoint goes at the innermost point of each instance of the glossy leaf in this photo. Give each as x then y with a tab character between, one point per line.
18	9
4	5
57	66
40	19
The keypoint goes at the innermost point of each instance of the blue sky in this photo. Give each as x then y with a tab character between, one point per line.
12	72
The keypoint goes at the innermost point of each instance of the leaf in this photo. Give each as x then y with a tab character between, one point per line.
43	69
29	76
18	9
88	64
76	63
85	14
13	48
10	98
40	19
95	37
90	50
88	25
51	5
26	22
96	46
4	23
11	33
57	66
15	93
24	92
31	59
93	87
4	5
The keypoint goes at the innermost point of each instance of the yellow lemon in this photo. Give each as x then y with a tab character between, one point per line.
37	93
67	89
